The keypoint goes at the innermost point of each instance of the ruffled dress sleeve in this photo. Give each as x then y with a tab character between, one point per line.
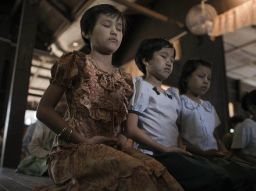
64	71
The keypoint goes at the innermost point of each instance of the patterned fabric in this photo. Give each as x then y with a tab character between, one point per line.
98	103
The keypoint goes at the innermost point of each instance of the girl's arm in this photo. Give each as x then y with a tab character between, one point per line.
221	146
195	150
135	133
56	123
181	143
47	114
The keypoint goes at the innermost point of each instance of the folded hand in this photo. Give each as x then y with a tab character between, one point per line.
102	140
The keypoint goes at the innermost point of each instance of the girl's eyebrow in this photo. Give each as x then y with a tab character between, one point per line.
106	20
164	52
109	20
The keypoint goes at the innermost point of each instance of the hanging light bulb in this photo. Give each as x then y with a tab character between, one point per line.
199	19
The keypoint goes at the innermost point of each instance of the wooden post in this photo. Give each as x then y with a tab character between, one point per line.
12	140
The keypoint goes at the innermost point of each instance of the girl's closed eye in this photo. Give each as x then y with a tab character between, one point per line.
106	24
163	56
119	27
201	76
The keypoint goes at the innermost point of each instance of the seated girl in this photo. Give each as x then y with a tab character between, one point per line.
200	122
89	151
244	139
152	120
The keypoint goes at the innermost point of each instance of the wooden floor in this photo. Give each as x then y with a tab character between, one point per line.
12	181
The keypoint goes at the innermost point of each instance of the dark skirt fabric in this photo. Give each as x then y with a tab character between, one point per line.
197	173
242	175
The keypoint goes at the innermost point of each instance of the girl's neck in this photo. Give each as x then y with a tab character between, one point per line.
101	59
193	97
154	81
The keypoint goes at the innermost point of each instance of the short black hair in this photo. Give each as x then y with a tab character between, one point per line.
147	48
188	68
90	17
249	99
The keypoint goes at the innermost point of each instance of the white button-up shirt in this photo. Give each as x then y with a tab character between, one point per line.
157	113
198	122
245	137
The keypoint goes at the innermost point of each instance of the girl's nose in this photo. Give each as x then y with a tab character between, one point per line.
113	30
206	80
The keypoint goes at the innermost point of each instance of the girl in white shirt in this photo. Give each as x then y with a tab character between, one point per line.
200	122
244	139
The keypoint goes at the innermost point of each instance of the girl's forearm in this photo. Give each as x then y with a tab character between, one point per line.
57	124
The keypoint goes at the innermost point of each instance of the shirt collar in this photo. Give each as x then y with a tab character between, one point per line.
192	105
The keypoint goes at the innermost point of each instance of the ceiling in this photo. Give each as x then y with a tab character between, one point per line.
240	55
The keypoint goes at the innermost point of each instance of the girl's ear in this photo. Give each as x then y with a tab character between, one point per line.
85	36
145	62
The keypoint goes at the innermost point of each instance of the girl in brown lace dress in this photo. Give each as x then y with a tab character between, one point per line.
89	151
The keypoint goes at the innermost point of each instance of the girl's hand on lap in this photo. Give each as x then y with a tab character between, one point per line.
178	150
102	140
214	153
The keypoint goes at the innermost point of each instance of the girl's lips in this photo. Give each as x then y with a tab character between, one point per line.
204	88
113	40
168	69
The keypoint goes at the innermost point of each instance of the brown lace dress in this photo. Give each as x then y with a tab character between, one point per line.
98	103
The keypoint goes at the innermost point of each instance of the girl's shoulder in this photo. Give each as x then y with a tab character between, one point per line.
140	83
173	91
73	56
192	105
248	123
71	59
142	88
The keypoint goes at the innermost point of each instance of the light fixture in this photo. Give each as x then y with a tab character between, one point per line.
231	109
231	130
75	44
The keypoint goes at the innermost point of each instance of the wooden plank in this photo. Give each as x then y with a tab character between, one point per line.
12	181
143	10
10	185
17	101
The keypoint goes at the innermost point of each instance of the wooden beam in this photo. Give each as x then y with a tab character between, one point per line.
241	46
43	77
76	12
143	10
37	88
12	139
41	67
35	95
15	7
36	51
64	17
81	7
